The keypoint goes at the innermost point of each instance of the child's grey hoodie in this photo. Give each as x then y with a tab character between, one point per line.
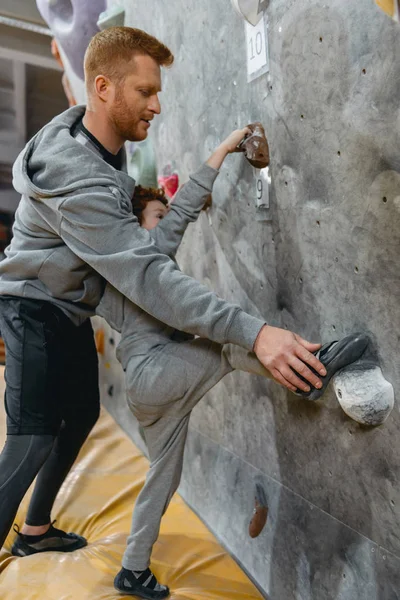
74	230
142	334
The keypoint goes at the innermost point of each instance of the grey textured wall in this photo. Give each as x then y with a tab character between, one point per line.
326	265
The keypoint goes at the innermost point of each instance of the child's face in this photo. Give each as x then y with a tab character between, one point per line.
153	213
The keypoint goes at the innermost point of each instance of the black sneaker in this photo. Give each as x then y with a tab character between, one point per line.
54	540
142	584
335	356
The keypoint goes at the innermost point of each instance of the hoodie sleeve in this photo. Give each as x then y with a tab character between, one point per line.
97	226
185	209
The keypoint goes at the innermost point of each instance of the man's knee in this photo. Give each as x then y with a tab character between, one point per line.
23	455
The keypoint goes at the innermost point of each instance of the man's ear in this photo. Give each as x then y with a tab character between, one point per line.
103	87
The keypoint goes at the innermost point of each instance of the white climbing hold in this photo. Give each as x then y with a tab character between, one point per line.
251	10
364	394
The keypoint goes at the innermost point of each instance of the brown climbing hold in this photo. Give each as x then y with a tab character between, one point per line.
260	513
207	203
255	146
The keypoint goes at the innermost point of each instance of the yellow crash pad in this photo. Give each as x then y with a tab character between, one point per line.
96	501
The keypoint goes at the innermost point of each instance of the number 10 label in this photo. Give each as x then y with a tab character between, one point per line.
257	51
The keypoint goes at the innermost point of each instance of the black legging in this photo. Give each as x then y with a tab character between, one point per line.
21	459
24	457
63	366
52	474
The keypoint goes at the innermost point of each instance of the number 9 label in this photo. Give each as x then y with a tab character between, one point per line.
262	189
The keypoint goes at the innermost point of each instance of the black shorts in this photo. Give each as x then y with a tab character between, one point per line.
51	367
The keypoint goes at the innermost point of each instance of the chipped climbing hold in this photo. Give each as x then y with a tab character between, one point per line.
255	146
364	394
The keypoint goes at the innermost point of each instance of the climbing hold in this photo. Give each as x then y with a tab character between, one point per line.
260	513
141	163
73	24
251	10
335	356
112	17
255	146
207	203
364	394
99	341
169	181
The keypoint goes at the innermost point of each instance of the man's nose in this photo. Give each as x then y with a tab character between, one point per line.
155	105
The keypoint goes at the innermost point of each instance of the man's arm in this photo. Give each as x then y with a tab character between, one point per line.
97	225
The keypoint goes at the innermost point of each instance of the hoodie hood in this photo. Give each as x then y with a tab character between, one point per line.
53	163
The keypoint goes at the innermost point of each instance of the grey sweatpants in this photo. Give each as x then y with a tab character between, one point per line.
162	395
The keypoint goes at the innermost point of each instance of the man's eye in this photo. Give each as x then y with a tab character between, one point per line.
144	93
160	216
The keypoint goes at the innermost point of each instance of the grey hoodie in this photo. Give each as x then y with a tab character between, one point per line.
74	230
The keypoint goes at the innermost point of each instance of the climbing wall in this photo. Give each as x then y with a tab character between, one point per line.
325	263
321	260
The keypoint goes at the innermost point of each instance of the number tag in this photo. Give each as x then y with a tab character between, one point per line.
257	50
262	189
262	195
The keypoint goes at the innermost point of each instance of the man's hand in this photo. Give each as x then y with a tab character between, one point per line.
281	351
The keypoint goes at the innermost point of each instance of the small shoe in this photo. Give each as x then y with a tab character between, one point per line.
255	146
142	584
335	356
54	540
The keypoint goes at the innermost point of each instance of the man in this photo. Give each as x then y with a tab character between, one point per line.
74	230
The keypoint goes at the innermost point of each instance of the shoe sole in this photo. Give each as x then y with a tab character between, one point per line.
344	353
31	551
142	594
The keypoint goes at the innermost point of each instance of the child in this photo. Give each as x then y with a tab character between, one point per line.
167	373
